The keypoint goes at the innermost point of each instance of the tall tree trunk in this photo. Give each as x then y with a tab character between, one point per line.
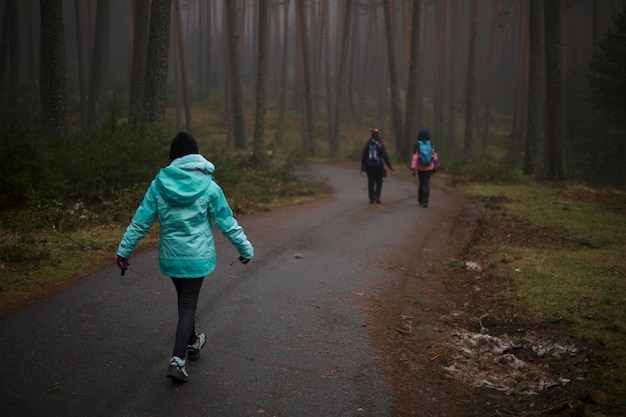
555	145
535	76
82	71
341	79
52	67
259	124
11	37
183	65
456	31
396	111
495	25
411	122
521	86
309	144
234	64
472	64
155	93
282	96
439	75
352	70
99	67
139	60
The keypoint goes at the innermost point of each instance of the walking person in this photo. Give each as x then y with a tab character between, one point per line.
186	200
374	154
424	162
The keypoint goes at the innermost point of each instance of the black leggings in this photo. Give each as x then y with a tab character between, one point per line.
188	290
423	191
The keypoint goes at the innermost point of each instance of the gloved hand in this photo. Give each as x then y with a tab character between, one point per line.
413	172
244	260
122	263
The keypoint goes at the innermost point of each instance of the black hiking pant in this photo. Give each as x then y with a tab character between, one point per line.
374	182
187	290
423	191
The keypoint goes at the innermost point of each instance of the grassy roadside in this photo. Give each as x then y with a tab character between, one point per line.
50	247
562	248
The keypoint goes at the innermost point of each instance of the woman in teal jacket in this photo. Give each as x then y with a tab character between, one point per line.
187	201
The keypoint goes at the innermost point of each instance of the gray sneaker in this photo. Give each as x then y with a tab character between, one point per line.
193	351
176	370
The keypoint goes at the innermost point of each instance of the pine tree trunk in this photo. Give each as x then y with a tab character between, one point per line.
495	24
555	146
414	80
535	76
456	19
234	65
396	111
52	68
140	54
183	66
309	145
470	95
155	93
440	66
341	78
12	56
259	124
282	96
99	64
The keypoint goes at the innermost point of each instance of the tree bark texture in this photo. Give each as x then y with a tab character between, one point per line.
52	67
262	41
234	65
396	111
471	87
309	145
555	144
411	122
99	67
535	77
456	31
155	93
341	78
439	75
139	59
11	57
180	43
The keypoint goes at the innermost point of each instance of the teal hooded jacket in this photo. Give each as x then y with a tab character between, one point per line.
187	201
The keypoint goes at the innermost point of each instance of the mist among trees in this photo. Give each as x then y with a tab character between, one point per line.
522	81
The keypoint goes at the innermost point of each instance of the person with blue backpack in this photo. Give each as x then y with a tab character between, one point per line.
424	162
374	154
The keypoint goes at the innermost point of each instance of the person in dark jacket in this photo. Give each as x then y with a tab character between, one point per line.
424	162
374	154
187	201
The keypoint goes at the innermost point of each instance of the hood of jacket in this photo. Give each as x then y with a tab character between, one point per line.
185	179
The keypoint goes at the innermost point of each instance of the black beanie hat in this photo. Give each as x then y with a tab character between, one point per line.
183	144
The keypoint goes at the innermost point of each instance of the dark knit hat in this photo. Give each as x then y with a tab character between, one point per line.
423	135
183	144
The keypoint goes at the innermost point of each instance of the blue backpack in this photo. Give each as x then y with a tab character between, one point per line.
374	154
425	152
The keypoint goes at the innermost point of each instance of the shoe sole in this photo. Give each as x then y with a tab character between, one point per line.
194	354
176	375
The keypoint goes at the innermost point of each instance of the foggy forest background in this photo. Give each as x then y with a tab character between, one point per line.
536	86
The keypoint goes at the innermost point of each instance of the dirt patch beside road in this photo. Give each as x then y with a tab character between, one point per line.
451	348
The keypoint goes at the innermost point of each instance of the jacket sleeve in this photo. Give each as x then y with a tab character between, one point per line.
364	156
222	216
386	157
143	219
414	160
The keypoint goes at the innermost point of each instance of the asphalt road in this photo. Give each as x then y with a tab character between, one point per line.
287	334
